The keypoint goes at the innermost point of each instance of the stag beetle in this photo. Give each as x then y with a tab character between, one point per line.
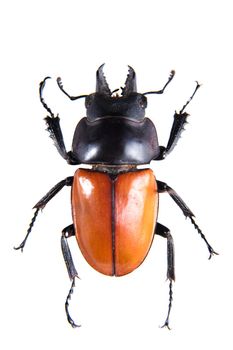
114	203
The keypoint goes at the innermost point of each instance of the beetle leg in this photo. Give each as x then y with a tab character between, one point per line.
44	200
165	232
42	203
180	119
66	233
54	129
163	187
22	244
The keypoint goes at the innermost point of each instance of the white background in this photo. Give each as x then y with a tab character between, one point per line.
71	39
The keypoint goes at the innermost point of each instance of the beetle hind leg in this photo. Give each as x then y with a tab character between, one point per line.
66	233
165	232
70	320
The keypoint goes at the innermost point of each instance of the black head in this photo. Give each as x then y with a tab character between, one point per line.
103	103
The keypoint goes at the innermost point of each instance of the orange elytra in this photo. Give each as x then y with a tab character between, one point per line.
114	218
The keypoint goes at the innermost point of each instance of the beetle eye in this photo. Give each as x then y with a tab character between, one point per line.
88	101
142	102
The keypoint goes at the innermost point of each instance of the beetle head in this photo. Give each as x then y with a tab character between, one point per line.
103	103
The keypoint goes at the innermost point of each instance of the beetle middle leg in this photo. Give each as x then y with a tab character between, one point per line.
163	187
66	233
165	232
42	203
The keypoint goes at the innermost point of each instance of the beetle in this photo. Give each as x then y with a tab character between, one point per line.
115	203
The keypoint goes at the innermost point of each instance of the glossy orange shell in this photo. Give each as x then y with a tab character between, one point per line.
114	219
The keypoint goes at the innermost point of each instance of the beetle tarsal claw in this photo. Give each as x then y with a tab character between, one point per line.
21	246
166	324
212	252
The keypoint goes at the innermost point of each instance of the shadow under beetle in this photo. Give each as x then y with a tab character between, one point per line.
115	204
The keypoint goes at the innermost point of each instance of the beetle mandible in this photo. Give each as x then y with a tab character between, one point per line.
115	204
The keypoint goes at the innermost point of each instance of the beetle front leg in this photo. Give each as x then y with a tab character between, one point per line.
66	233
42	203
54	129
165	232
163	187
180	119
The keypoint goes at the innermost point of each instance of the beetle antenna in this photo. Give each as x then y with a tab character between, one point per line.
72	98
190	99
21	246
41	88
70	320
171	76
